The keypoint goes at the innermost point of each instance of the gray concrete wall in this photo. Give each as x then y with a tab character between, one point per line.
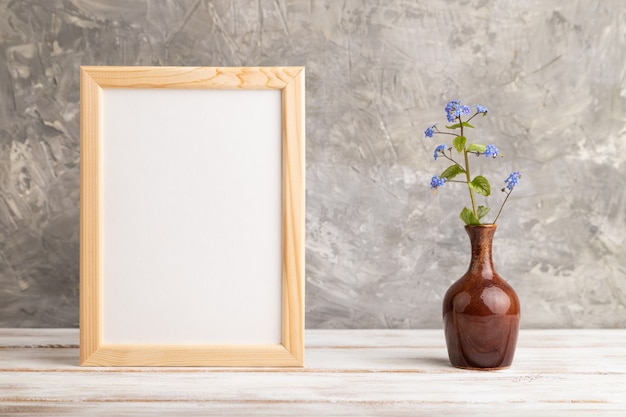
381	247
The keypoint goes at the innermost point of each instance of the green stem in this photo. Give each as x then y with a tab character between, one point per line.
443	133
474	115
469	179
450	159
468	175
502	206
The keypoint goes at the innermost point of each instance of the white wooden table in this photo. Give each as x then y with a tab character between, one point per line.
347	373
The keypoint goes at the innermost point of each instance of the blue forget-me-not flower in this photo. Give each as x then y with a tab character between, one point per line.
491	151
512	180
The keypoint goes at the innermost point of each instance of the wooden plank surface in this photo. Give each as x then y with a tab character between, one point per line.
347	373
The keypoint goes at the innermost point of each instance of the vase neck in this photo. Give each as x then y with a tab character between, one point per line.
481	238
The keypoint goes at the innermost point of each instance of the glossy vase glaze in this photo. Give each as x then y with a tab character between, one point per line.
481	312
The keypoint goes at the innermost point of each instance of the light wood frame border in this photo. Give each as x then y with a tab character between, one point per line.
290	80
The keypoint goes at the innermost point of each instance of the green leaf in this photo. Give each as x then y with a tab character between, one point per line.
459	143
480	185
458	125
476	147
468	217
452	171
482	211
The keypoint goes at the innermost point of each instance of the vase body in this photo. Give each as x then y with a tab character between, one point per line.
481	312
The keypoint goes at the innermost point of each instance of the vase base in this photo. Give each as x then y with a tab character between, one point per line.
474	368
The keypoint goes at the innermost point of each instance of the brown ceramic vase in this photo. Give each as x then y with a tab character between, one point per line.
481	312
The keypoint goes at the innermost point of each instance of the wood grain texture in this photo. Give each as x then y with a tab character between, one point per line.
194	77
90	215
293	220
288	79
191	355
354	372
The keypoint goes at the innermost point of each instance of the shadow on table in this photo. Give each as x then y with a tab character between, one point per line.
411	363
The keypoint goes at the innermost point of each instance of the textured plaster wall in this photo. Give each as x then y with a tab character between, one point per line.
381	247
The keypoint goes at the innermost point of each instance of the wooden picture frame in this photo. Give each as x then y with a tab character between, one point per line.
132	313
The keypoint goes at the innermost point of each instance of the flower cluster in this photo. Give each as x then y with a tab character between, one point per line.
455	112
491	150
437	182
455	109
512	180
439	149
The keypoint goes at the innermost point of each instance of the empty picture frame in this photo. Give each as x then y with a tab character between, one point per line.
192	216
